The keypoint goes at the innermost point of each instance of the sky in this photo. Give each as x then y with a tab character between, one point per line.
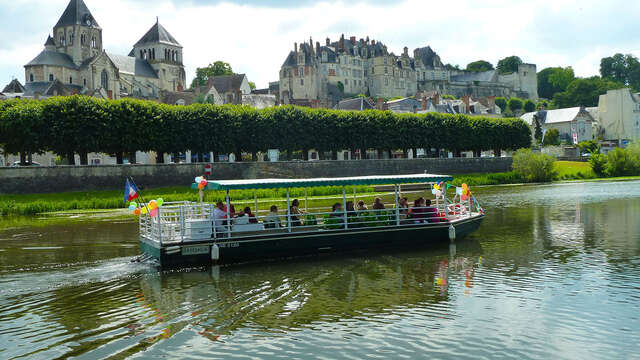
255	36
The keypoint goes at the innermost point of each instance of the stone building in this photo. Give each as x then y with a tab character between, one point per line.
569	122
618	114
74	56
315	75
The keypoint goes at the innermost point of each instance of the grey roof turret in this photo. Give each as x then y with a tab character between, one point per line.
77	13
50	41
158	34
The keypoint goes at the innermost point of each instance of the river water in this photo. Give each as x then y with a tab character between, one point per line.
554	272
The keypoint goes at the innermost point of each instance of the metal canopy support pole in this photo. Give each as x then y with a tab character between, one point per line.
344	205
306	199
396	188
354	195
228	215
288	211
255	201
444	199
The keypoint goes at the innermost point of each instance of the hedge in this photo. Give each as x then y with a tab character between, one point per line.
80	124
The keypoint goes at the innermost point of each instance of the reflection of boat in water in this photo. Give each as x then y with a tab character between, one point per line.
277	296
200	233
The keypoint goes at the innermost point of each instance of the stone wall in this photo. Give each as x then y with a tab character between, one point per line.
81	178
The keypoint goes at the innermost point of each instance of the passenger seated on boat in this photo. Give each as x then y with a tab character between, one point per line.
219	216
335	220
431	212
377	204
361	206
352	215
272	220
403	209
252	218
295	212
418	211
241	219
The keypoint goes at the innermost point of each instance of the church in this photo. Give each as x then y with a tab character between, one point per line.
74	62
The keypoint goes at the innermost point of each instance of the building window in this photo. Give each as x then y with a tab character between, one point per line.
324	56
50	77
332	72
84	82
93	42
63	41
31	77
302	82
71	38
385	61
70	80
301	71
153	54
386	81
386	70
104	80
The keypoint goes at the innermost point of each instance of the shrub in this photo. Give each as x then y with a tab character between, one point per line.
551	137
589	146
622	162
529	106
534	167
598	163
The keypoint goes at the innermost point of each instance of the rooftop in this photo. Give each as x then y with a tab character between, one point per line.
158	34
77	13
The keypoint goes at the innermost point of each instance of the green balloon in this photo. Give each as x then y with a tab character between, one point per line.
159	201
135	204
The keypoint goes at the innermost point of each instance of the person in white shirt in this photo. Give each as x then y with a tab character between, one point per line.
272	220
220	216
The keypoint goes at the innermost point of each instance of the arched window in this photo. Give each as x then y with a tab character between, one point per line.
84	82
153	54
141	55
104	80
31	77
50	77
70	80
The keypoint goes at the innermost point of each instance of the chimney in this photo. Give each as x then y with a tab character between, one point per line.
465	100
406	51
367	40
436	99
295	47
353	40
311	44
328	42
318	47
342	42
424	103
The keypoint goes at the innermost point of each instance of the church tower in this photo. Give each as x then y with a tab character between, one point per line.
77	33
164	54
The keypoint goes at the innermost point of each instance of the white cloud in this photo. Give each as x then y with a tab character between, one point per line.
256	39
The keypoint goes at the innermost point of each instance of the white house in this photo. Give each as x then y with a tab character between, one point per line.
569	121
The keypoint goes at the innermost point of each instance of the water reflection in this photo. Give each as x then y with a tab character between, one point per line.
552	273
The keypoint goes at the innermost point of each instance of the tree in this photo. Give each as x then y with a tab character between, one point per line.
451	67
509	65
534	167
252	85
623	69
501	103
538	129
552	137
218	68
542	104
515	104
529	106
448	97
479	66
553	80
584	92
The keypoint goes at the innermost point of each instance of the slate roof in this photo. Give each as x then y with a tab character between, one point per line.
486	76
14	87
133	66
553	116
76	13
354	104
158	34
227	83
50	41
53	58
46	88
428	57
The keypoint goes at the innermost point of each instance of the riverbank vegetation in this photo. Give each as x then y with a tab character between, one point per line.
80	125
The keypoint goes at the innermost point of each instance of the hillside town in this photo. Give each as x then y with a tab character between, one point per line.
350	73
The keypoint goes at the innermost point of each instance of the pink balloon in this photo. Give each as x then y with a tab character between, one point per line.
153	212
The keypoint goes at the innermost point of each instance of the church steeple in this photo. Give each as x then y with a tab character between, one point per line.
77	32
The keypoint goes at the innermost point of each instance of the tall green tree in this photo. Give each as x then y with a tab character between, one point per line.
537	129
203	74
480	66
584	92
509	64
501	103
620	68
515	104
23	130
553	80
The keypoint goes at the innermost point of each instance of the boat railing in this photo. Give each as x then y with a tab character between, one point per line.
183	222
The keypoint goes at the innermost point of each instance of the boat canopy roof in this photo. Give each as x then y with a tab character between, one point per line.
340	181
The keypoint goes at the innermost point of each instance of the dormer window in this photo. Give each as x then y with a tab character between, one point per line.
50	77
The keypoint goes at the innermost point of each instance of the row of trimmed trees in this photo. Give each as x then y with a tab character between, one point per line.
78	124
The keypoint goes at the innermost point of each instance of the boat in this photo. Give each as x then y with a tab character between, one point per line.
182	234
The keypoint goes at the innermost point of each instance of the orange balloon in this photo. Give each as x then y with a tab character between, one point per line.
136	211
200	186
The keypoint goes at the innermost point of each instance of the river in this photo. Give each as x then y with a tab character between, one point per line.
554	272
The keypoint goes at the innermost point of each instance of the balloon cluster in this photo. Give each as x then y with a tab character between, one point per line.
202	182
437	189
151	208
464	192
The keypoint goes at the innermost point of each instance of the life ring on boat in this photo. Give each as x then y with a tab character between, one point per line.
456	209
